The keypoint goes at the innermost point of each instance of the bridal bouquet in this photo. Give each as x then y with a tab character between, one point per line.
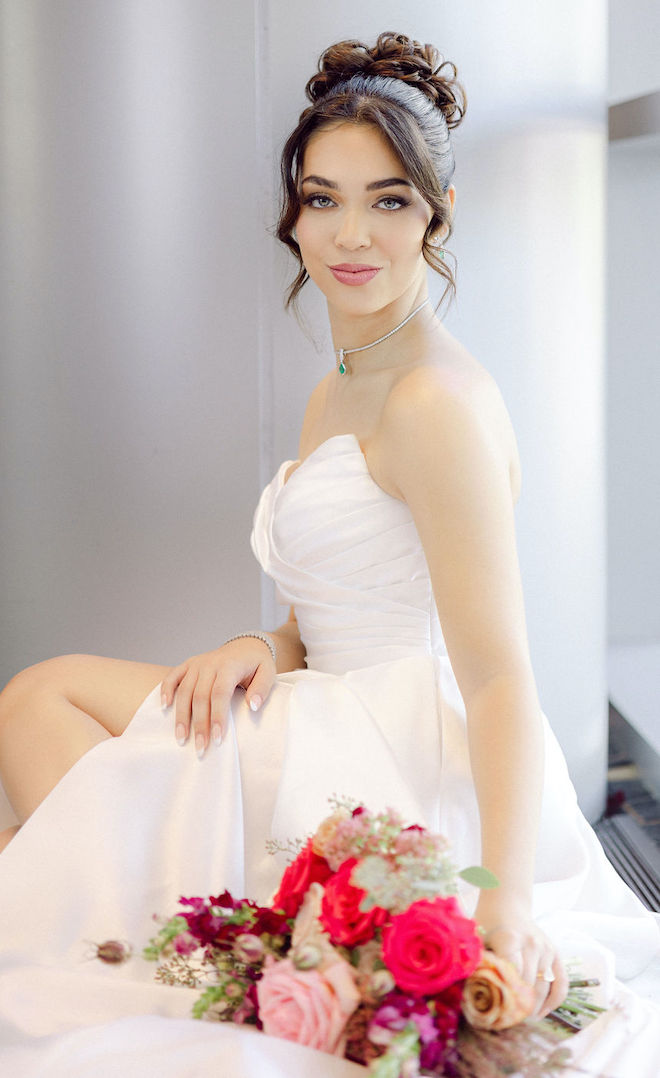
365	953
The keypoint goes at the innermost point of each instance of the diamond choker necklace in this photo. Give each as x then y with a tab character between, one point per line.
343	366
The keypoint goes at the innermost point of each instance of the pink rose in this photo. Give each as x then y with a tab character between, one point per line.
309	1007
341	916
495	995
430	946
307	868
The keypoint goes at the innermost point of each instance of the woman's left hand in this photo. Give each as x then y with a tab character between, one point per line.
512	934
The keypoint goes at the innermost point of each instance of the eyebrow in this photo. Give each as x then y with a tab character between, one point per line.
392	181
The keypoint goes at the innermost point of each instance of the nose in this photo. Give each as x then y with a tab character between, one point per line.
352	232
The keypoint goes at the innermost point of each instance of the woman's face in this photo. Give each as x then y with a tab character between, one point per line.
361	222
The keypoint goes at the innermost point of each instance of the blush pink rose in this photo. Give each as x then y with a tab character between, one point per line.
430	946
309	1007
495	995
341	916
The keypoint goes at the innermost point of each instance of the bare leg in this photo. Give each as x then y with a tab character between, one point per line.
7	835
54	712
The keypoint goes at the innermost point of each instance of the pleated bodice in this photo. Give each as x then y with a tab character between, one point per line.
348	557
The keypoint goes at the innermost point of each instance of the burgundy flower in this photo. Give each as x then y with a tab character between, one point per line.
396	1012
226	901
202	924
359	1048
268	922
185	943
252	997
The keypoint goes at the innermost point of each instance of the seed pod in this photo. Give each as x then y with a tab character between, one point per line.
113	952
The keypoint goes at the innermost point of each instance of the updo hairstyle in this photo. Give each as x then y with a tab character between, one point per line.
399	88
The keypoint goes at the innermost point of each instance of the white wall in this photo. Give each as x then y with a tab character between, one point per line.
152	381
129	419
633	329
634	48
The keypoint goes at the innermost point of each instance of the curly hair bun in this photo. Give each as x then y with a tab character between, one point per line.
393	56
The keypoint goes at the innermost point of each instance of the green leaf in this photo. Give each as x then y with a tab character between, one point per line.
213	994
479	877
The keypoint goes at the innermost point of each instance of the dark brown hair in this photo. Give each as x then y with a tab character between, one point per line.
399	88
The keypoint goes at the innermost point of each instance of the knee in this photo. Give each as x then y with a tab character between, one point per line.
46	677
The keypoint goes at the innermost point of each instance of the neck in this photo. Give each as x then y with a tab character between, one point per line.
354	330
368	341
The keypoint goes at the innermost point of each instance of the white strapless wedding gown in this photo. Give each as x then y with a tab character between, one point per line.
377	716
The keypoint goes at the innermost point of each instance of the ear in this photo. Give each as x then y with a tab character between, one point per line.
438	238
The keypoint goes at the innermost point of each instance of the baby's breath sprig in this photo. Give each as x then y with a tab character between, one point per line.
342	801
291	848
177	969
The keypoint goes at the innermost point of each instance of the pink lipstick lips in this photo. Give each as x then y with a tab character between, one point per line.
354	273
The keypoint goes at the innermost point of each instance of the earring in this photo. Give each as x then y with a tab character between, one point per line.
438	242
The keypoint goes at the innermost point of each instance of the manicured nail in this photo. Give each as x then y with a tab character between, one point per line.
180	734
255	702
216	733
163	700
200	745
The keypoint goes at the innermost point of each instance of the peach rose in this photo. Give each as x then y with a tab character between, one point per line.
327	829
495	995
307	1006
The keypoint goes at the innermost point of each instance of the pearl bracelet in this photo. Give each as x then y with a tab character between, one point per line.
257	636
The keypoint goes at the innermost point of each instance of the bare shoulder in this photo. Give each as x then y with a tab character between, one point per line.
315	409
445	404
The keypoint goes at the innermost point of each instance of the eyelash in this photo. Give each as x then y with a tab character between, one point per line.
402	202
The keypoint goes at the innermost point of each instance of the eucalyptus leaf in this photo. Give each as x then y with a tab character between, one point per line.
479	877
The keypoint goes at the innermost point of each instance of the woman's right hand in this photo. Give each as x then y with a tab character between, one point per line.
202	687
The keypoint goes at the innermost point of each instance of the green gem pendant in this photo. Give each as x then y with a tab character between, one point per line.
342	365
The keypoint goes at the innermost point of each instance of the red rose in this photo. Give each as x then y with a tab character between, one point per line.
341	916
307	868
431	946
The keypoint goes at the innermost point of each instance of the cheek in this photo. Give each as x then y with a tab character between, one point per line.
404	237
406	248
307	235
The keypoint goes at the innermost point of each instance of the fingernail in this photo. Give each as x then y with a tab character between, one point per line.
255	702
216	733
200	745
180	734
163	700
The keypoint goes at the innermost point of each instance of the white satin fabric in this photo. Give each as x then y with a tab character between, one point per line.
377	715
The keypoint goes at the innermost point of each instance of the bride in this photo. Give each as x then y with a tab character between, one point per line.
402	675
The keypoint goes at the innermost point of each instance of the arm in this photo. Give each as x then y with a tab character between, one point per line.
289	648
446	457
202	686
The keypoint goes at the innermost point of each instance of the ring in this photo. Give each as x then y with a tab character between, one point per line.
547	975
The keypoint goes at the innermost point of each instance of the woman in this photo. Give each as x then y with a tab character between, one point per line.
399	521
